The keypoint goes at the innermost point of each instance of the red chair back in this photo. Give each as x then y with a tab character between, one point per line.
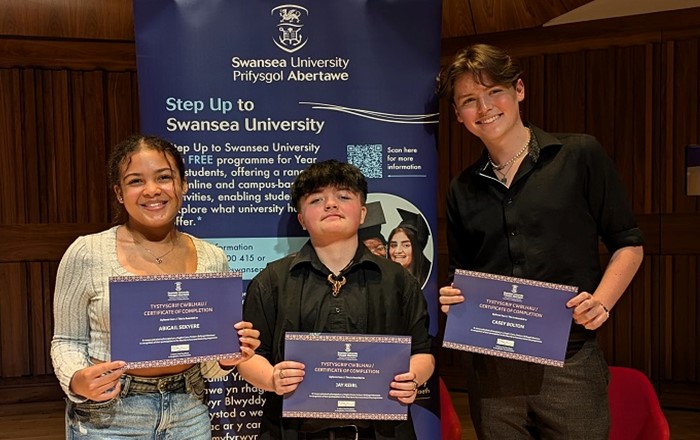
449	421
635	413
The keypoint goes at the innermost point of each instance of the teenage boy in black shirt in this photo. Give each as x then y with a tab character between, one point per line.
535	206
333	284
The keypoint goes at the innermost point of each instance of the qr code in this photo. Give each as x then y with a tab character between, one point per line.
368	158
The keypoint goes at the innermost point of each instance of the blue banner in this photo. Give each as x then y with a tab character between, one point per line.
254	92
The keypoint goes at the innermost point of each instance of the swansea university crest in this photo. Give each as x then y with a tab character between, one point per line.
290	38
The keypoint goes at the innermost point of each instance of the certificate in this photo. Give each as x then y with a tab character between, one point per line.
347	376
159	320
510	317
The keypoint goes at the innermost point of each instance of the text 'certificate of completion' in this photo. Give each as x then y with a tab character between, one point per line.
510	317
158	320
347	376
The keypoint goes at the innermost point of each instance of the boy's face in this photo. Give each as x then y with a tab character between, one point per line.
489	112
376	246
331	214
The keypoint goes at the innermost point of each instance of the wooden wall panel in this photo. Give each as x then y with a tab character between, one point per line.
72	55
652	138
60	138
565	98
108	19
11	209
34	242
59	126
456	18
683	314
680	367
625	338
63	103
680	215
14	335
533	107
40	292
601	89
122	106
628	110
686	120
34	180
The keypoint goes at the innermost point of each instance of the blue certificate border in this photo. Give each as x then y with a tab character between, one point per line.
394	348
460	334
124	333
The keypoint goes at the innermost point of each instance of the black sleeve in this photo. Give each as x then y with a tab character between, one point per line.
260	308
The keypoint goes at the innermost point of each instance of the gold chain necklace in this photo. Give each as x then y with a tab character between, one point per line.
157	258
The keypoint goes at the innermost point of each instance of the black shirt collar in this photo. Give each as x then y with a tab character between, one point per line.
307	255
541	141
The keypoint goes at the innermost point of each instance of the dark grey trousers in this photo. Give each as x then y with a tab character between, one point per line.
512	400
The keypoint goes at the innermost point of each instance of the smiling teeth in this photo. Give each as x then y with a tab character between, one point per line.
489	120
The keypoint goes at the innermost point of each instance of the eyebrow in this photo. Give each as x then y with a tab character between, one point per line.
160	170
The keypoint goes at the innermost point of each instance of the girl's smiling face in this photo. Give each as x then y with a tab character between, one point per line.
400	249
150	188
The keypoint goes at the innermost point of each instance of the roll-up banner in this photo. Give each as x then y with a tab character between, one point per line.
253	92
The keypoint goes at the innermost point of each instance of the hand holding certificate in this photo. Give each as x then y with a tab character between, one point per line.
347	376
163	320
510	317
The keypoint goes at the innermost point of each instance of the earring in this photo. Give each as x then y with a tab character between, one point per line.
119	199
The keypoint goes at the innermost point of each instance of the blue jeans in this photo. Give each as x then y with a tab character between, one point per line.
157	408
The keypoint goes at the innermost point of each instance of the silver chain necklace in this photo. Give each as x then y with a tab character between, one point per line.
512	159
502	175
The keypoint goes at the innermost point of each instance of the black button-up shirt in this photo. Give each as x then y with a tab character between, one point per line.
294	294
565	198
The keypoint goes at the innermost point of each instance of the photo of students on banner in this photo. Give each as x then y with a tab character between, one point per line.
370	232
396	227
407	242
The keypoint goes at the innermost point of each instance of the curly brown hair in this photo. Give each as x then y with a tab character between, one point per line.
121	156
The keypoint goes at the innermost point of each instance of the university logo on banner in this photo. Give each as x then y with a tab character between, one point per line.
290	27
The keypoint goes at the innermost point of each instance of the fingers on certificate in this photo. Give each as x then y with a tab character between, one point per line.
249	339
448	296
286	376
404	388
247	335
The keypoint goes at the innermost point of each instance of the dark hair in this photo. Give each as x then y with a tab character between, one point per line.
418	260
328	173
488	65
121	156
